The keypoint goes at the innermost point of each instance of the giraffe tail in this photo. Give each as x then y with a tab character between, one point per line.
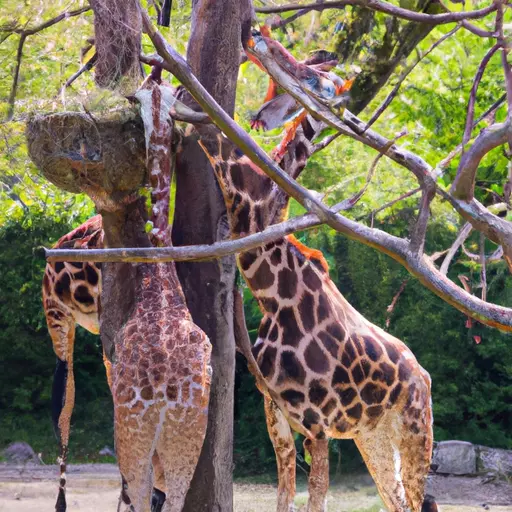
60	384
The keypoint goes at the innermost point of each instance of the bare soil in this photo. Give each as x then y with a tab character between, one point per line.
95	488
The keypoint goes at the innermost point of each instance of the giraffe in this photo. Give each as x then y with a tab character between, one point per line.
160	375
71	295
329	372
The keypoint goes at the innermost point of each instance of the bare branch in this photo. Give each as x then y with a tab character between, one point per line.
463	186
86	67
389	204
350	202
16	77
445	162
420	266
461	237
385	104
483	273
420	227
186	253
497	255
472	94
385	7
391	307
502	41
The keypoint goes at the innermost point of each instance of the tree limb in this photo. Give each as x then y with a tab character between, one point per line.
463	186
24	33
472	94
385	7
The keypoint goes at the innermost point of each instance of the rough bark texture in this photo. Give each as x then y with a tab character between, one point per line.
214	55
382	55
117	32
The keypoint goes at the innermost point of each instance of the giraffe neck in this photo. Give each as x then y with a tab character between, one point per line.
253	200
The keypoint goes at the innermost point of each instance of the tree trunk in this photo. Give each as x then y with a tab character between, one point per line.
214	55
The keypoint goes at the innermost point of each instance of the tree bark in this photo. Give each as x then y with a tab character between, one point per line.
214	55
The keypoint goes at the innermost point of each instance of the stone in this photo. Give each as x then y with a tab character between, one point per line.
20	453
495	461
455	458
107	451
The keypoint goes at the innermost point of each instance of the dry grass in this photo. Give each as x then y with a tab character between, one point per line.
95	488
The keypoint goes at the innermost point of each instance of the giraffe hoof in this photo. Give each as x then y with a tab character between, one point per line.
157	500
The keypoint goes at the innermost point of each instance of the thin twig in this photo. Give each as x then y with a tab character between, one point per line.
86	67
497	255
504	50
384	105
24	33
461	237
378	5
454	152
483	273
15	79
472	94
391	307
346	204
389	204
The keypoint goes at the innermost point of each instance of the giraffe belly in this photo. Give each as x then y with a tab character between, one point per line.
352	395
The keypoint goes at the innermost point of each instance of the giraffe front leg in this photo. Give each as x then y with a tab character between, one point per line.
284	446
318	483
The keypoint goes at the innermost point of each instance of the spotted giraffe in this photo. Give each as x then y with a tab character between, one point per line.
329	372
71	295
160	375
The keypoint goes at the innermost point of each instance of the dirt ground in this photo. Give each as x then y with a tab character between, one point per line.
95	488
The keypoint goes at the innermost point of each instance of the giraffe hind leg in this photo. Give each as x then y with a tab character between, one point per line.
318	482
63	389
416	450
380	449
284	447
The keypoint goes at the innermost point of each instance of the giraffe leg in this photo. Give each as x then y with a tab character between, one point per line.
179	448
61	326
318	483
380	448
416	451
134	458
284	446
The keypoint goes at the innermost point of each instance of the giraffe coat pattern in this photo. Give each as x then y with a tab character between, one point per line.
330	372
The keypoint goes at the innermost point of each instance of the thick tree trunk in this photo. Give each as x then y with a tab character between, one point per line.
214	55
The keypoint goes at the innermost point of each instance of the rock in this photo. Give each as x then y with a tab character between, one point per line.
494	461
455	458
20	453
107	451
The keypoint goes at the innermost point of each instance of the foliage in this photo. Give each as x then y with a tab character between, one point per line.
27	362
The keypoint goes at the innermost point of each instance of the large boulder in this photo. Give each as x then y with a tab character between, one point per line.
20	453
494	460
455	458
